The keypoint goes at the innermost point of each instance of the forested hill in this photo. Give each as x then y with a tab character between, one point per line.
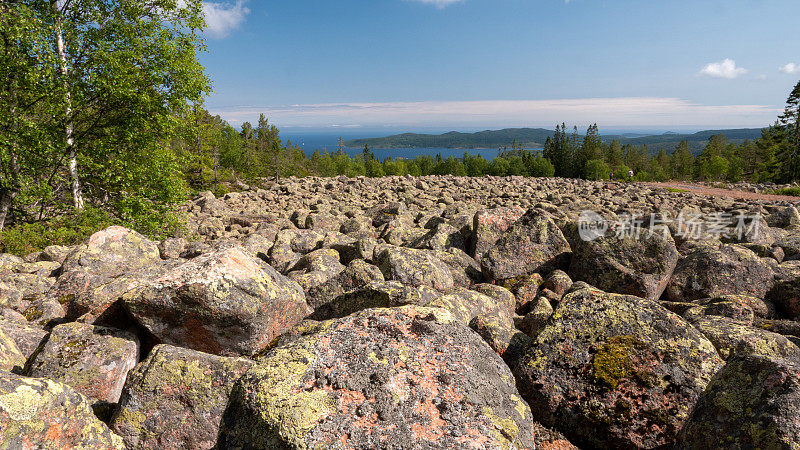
535	138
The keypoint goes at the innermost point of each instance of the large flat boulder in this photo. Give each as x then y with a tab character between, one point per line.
489	225
636	266
531	244
414	267
94	275
358	273
717	270
224	303
94	361
379	294
10	355
175	399
751	403
409	377
27	337
615	371
38	413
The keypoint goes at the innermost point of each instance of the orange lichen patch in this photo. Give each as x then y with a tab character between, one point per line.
238	265
53	434
560	444
113	233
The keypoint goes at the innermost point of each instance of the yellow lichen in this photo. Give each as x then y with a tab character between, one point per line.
506	430
612	362
23	404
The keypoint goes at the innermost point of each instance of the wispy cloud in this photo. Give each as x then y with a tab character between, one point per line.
791	68
438	3
222	18
629	112
723	69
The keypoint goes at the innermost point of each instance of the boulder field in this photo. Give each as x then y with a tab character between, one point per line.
414	313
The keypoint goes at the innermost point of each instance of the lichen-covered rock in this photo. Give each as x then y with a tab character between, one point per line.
499	294
19	290
9	263
175	399
785	293
785	217
441	237
27	337
536	319
45	312
532	244
466	305
10	355
710	271
407	377
92	360
615	371
172	248
557	282
316	268
737	311
384	213
377	294
357	274
636	266
501	335
751	403
731	336
489	225
525	289
224	303
464	269
89	283
759	307
37	413
414	268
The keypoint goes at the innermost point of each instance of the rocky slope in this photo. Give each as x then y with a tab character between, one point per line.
434	312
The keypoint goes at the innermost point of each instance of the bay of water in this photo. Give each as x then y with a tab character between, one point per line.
310	142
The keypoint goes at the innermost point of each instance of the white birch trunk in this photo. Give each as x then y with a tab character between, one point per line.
69	130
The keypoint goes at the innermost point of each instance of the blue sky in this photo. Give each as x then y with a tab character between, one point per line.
469	64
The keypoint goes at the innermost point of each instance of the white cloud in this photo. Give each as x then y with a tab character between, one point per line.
724	69
791	68
222	18
438	3
608	112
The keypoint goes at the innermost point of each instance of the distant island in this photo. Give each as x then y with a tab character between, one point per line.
534	138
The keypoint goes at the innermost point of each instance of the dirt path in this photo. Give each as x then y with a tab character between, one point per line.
700	189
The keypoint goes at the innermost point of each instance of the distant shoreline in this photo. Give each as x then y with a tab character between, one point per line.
534	138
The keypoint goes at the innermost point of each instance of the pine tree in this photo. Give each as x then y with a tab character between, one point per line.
789	121
591	149
682	162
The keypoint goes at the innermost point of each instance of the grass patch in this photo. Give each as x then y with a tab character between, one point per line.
676	190
793	191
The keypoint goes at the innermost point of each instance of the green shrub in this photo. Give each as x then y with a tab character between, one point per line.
794	191
72	229
25	238
596	169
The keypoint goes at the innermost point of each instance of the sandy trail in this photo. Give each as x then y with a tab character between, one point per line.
720	192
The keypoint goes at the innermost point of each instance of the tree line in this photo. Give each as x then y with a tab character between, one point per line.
773	157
